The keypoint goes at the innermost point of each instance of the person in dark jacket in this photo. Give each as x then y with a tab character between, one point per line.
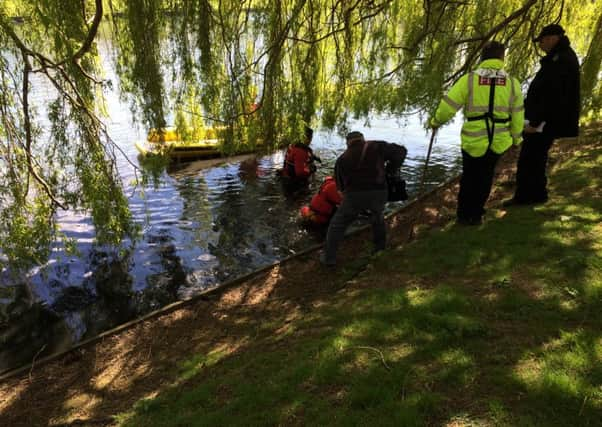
299	161
552	108
360	174
323	204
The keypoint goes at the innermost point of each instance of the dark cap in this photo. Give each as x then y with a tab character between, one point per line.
354	135
550	30
493	50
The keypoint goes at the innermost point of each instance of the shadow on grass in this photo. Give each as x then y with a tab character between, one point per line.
494	325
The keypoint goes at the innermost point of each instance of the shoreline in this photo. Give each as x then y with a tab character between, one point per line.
91	385
38	363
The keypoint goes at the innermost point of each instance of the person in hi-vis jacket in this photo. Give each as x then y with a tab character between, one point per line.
492	103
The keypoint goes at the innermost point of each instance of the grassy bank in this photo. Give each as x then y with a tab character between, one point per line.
493	325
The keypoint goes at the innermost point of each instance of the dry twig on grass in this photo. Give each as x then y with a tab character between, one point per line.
34	360
380	353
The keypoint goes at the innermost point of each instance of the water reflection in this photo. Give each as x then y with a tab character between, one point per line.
207	222
28	326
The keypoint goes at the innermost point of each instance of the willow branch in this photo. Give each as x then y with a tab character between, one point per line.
87	44
469	60
337	29
557	20
279	41
516	14
20	45
377	10
47	62
79	103
419	40
28	138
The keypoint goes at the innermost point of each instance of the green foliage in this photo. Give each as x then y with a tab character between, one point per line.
27	231
70	163
140	57
591	89
313	59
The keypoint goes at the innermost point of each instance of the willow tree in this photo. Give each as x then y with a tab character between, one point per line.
70	163
259	69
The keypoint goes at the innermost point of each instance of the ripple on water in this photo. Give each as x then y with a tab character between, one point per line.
201	226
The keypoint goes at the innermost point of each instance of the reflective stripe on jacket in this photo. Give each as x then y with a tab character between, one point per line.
471	92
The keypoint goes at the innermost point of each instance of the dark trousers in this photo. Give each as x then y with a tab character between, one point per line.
353	203
531	180
475	184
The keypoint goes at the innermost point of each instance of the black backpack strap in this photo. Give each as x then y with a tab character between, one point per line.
489	118
364	148
489	122
381	160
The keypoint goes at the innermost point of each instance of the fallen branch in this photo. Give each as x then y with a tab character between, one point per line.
33	362
377	351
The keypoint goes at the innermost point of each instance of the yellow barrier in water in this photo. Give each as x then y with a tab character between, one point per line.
171	134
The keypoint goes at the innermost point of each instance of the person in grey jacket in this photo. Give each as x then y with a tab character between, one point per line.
360	173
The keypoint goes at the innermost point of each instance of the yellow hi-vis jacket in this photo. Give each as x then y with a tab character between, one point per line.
471	92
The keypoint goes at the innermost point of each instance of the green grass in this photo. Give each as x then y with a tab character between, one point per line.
494	325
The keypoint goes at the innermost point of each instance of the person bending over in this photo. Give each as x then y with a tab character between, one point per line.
360	174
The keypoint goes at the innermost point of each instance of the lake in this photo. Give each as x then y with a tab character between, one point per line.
205	223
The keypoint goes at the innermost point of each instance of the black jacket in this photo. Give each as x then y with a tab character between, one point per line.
380	158
553	96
